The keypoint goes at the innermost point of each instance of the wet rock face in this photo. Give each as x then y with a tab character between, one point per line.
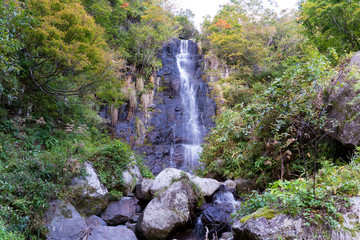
346	128
168	121
165	135
119	212
218	217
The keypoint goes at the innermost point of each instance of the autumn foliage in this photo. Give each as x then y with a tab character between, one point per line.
223	24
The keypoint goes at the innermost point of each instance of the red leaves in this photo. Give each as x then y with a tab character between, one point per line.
125	5
223	24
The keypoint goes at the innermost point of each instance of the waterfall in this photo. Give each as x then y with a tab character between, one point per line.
193	131
199	230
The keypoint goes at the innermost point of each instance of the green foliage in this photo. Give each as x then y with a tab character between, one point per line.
30	176
5	234
265	139
341	180
13	20
332	24
38	160
334	185
65	49
253	39
184	19
156	28
110	163
296	197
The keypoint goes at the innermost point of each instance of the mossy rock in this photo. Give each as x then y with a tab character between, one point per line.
265	212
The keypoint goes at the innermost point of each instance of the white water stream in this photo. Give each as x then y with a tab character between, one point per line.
192	128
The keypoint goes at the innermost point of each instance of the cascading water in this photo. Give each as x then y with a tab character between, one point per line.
193	131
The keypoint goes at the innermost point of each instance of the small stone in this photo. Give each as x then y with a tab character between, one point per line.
143	189
230	185
135	218
226	235
131	226
244	185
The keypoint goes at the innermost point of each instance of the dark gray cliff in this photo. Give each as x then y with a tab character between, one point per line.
159	133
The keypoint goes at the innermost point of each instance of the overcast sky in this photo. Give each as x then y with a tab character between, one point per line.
209	7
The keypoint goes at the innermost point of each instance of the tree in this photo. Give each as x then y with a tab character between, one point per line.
332	23
65	50
157	26
13	20
184	19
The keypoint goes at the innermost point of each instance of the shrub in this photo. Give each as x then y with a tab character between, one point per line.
334	185
277	135
5	234
110	163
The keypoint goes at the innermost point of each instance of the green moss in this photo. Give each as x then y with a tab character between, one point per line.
201	201
265	212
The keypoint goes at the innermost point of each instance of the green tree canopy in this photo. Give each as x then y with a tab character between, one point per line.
332	24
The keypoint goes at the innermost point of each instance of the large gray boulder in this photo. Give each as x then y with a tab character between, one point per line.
119	212
167	212
286	227
162	181
344	115
262	228
64	222
111	233
90	195
207	186
165	178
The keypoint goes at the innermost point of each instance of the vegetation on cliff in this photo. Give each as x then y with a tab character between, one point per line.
274	124
60	61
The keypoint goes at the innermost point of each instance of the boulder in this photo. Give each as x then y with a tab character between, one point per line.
167	212
343	116
244	185
165	179
111	233
272	225
129	183
143	189
94	221
261	228
218	217
351	222
207	185
64	222
119	212
90	195
169	175
131	178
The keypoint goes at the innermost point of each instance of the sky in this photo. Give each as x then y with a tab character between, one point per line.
210	7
